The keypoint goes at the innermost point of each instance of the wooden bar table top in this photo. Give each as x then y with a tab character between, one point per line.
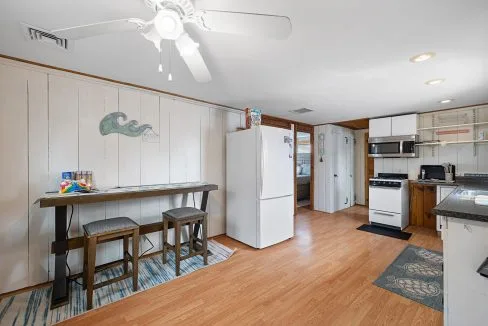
123	193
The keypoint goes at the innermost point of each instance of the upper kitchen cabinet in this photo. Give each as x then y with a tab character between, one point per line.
380	127
394	126
404	125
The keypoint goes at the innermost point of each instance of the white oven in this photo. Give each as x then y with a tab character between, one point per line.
388	200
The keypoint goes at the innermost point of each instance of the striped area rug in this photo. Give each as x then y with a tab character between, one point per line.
32	308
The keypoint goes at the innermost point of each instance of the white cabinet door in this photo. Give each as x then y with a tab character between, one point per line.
442	193
404	125
380	127
466	247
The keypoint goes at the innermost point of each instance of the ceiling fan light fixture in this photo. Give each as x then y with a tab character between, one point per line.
185	45
168	24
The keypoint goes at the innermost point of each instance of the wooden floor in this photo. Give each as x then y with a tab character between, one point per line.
323	276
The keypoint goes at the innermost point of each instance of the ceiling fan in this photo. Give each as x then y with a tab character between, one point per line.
168	24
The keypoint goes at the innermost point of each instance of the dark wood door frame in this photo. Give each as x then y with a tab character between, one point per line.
368	164
310	130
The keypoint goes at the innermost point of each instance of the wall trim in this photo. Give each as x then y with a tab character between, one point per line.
189	98
385	116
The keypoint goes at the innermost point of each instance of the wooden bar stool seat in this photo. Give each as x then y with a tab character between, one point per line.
103	231
179	218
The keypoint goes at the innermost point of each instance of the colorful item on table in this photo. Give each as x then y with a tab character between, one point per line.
69	186
253	117
86	176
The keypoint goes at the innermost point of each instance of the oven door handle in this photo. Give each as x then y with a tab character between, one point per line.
385	214
380	187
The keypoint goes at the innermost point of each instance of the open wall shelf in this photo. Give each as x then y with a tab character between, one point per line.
454	126
440	143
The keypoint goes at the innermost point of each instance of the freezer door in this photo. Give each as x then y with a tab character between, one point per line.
275	221
276	162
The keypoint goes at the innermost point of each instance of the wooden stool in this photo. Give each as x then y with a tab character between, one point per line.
103	231
180	217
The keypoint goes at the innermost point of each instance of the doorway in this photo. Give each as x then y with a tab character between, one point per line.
368	169
303	169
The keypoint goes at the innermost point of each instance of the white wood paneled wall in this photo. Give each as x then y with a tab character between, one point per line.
466	157
50	123
331	192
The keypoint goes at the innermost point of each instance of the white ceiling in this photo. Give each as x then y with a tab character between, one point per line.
345	59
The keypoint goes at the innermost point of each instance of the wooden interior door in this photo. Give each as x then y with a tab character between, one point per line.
369	169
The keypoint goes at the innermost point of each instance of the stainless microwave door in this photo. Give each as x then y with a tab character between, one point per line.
387	148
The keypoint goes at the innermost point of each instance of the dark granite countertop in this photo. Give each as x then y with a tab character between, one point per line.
435	183
460	203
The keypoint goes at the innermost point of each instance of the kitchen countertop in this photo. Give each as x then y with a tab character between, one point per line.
434	183
460	203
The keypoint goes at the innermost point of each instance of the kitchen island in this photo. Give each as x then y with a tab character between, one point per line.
465	235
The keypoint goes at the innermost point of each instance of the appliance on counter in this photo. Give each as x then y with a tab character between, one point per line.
436	172
393	146
260	203
388	200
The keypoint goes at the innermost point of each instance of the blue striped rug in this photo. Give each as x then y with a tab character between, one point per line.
32	307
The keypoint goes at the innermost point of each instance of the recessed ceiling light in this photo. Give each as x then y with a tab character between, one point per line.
422	57
446	101
435	81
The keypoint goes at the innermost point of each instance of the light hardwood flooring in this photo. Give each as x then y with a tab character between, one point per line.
322	276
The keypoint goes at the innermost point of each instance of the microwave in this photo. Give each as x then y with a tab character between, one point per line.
393	146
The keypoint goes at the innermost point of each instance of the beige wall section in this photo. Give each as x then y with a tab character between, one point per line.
359	166
466	157
49	121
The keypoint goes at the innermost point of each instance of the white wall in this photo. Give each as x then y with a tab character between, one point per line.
359	166
338	159
49	123
466	157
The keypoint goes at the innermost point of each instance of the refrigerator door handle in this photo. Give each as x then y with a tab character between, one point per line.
262	166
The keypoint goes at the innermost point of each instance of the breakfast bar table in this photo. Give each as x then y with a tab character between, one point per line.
60	202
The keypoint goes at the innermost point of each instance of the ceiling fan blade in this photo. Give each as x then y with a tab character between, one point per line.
112	26
276	27
188	50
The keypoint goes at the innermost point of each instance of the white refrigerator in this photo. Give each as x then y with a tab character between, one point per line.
259	169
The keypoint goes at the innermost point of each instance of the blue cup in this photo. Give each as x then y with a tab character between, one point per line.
67	175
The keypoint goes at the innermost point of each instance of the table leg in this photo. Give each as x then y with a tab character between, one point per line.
60	294
203	207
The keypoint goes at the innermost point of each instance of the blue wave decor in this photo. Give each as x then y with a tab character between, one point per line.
110	125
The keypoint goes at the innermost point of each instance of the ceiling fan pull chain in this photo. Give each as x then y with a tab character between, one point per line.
170	76
160	68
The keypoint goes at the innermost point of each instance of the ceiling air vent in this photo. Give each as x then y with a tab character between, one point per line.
36	34
301	111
